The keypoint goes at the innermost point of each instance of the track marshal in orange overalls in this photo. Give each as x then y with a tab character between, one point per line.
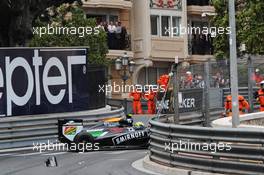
163	81
136	95
243	105
150	97
260	96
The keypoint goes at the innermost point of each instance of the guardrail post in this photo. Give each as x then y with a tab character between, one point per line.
263	148
125	105
170	143
176	86
206	104
250	84
233	64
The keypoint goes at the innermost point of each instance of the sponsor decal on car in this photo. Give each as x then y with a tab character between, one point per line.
97	133
70	130
129	136
116	130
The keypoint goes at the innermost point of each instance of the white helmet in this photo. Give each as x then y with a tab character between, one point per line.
261	83
188	73
257	70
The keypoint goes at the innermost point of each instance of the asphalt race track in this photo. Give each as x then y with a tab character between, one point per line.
112	162
88	163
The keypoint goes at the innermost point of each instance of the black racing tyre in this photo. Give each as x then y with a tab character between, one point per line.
83	140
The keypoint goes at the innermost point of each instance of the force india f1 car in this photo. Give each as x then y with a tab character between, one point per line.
111	133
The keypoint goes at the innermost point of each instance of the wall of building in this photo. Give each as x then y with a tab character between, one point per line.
141	27
154	52
167	48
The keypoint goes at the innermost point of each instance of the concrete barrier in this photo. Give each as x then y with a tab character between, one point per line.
227	121
161	169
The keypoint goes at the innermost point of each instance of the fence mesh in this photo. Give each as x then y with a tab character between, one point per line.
250	74
219	74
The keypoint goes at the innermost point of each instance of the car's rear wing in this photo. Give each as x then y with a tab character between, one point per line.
68	129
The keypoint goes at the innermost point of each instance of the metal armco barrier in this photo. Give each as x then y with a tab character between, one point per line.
24	131
246	156
194	118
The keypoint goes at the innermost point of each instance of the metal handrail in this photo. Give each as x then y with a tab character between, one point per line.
23	131
245	157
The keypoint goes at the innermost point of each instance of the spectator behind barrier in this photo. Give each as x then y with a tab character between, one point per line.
116	35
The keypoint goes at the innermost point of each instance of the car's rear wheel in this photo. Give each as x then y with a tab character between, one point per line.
84	142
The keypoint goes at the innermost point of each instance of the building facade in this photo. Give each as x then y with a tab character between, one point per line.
156	34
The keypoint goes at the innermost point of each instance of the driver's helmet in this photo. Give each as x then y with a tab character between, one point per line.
129	116
139	124
262	84
129	121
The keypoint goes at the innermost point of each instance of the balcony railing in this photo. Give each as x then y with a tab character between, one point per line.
169	4
201	45
199	2
118	41
117	4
